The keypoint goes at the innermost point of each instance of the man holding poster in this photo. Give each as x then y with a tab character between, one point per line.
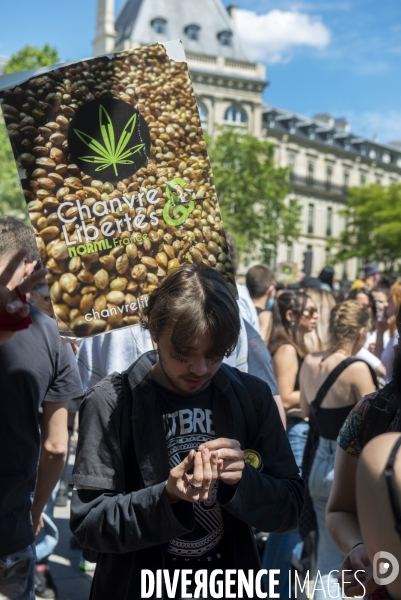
179	456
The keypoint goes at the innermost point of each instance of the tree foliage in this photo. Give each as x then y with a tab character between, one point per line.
373	230
12	201
253	194
31	57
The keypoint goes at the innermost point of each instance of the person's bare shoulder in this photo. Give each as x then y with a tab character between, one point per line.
286	352
358	370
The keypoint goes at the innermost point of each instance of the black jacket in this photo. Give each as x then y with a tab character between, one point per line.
122	450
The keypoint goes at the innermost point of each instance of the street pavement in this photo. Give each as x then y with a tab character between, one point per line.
72	583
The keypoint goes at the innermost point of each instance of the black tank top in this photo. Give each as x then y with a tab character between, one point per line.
330	420
300	361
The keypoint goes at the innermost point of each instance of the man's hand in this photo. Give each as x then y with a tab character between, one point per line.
229	451
9	301
205	472
357	560
37	523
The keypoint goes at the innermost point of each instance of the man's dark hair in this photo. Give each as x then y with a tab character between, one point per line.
193	301
258	280
15	235
362	290
381	289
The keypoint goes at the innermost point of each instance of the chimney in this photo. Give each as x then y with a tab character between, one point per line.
342	125
232	11
325	119
105	32
376	138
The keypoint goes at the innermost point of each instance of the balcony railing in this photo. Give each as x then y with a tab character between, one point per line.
318	186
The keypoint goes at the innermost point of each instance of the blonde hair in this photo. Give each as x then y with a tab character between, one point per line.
346	320
319	338
395	292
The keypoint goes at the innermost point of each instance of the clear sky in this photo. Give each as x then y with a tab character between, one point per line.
342	57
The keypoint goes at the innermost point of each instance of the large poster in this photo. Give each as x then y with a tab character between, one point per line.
117	180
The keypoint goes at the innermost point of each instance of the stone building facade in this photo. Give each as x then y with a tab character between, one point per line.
323	155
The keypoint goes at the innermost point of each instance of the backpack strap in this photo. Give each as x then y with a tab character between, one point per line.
333	376
382	415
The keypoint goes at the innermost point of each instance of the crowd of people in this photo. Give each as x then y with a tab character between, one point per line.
215	418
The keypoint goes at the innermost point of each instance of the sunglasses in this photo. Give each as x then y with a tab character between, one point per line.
310	312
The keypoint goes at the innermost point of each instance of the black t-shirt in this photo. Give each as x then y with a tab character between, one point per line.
35	367
188	423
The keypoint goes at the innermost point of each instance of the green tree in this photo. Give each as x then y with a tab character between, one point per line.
373	230
31	57
12	201
253	194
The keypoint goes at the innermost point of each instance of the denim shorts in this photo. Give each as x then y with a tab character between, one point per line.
17	575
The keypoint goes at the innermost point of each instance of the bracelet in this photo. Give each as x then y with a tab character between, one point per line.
358	544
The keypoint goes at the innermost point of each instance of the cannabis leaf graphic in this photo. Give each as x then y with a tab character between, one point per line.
110	155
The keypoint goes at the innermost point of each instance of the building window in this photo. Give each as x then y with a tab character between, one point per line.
291	161
346	179
329	174
362	179
202	113
225	38
311	217
311	133
328	256
292	127
159	25
290	253
329	222
234	116
378	180
192	32
311	169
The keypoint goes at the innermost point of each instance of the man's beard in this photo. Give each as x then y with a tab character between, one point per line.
205	380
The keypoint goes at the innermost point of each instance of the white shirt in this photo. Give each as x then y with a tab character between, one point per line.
247	308
388	355
372	337
368	357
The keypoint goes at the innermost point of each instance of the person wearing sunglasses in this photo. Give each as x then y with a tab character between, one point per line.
294	316
331	383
